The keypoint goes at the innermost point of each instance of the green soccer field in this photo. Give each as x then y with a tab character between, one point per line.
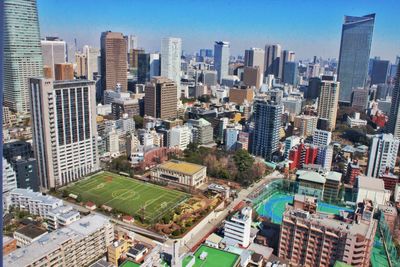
127	195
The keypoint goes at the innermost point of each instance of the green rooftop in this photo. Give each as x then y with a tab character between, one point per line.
341	264
129	263
215	258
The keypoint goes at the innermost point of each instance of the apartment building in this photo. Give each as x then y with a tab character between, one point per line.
238	228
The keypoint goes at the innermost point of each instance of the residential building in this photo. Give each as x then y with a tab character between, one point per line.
267	124
372	189
116	250
61	217
26	172
292	104
160	98
332	186
231	138
243	140
325	157
382	155
237	228
354	54
64	130
321	137
290	142
316	240
54	51
302	154
221	59
394	118
9	182
113	60
64	71
171	51
328	101
34	202
9	245
390	180
28	234
79	244
180	173
353	170
22	52
306	124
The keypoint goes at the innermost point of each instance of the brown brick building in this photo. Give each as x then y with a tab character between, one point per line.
239	95
160	98
64	71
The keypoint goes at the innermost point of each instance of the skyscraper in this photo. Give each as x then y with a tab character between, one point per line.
328	101
254	57
92	55
64	130
272	60
160	98
382	155
54	51
113	60
154	65
267	123
171	51
354	53
394	118
287	56
221	59
143	72
290	73
64	71
22	52
380	71
132	42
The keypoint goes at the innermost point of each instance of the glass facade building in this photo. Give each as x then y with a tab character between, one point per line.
354	54
221	59
22	52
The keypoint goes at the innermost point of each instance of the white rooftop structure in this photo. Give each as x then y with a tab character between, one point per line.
373	189
311	176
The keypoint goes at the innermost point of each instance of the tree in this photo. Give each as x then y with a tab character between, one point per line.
138	121
243	160
204	98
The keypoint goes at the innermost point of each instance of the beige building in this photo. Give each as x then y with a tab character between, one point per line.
180	173
116	250
64	71
305	124
240	95
160	98
114	60
79	244
328	102
80	60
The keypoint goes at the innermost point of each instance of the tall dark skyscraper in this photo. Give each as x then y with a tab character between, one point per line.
380	71
354	54
394	118
272	60
22	52
267	122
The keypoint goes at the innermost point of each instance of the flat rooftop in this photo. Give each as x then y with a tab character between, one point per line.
182	167
371	183
215	258
129	263
31	231
36	196
311	176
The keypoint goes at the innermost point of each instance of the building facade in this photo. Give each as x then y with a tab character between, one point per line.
221	59
328	102
160	98
171	51
382	155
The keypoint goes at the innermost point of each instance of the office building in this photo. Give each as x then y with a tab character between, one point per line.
180	137
121	106
254	57
202	131
113	60
354	54
394	118
272	60
63	71
286	57
267	124
290	73
241	95
133	56
328	102
160	98
154	65
382	155
359	98
92	56
171	51
64	130
81	68
380	71
252	76
221	59
180	173
209	77
292	104
132	42
143	70
312	239
26	172
313	88
22	52
237	229
54	51
230	138
79	244
355	121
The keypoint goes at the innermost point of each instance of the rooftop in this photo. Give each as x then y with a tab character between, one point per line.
36	196
335	176
311	176
371	183
182	167
129	263
31	231
215	258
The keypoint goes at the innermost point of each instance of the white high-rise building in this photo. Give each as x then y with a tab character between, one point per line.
237	229
254	57
92	58
322	138
54	51
382	155
171	51
132	42
64	130
180	137
221	59
9	182
22	52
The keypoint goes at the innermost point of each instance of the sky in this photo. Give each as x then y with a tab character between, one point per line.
308	27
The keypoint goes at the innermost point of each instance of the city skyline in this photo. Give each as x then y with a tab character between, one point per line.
302	27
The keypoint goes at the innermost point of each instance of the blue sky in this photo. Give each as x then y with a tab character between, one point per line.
308	27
